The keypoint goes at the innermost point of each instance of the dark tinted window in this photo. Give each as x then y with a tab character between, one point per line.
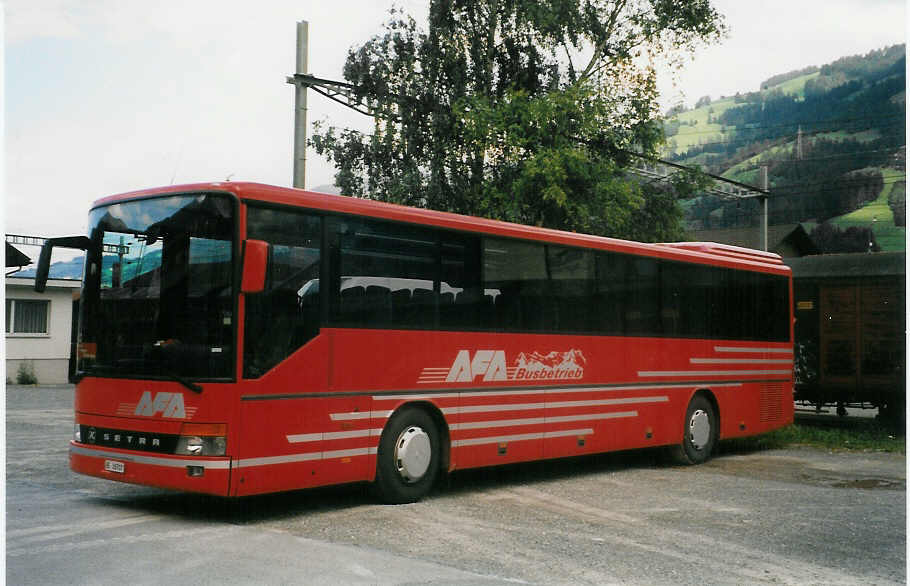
286	314
383	274
642	302
649	297
610	294
688	298
517	271
463	304
572	285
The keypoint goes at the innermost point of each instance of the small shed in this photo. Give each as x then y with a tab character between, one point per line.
850	340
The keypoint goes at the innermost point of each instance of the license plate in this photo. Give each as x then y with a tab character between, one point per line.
114	466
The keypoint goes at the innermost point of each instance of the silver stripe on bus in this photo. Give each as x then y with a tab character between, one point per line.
477	441
710	372
553	405
737	349
540	420
360	415
332	435
309	456
504	392
153	460
740	361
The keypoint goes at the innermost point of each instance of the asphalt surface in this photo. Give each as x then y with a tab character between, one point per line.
796	516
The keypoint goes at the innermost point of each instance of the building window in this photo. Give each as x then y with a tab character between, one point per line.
26	316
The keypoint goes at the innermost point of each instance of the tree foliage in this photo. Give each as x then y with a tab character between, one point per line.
521	110
831	239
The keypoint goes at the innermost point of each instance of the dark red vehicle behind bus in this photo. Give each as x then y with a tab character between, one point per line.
237	338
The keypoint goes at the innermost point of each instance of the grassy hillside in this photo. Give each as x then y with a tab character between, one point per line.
877	215
695	129
797	85
852	117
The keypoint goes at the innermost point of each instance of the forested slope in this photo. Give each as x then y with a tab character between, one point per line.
833	138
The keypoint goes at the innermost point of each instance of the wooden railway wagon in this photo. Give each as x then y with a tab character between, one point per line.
849	335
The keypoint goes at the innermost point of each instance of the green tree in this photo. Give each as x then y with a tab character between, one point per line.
521	110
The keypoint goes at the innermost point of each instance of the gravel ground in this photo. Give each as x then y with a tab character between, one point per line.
794	516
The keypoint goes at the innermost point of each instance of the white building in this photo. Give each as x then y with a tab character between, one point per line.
39	328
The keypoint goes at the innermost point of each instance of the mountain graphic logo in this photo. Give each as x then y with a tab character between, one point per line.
552	365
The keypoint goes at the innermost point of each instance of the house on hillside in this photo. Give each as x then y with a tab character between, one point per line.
39	328
787	240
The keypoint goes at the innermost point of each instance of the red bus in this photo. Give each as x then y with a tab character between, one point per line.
237	338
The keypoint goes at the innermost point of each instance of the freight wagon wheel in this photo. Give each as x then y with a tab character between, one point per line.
408	457
699	434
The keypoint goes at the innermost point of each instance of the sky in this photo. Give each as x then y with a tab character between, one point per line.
107	96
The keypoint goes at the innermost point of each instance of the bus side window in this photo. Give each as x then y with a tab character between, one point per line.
518	269
643	297
610	299
382	274
461	301
285	315
572	288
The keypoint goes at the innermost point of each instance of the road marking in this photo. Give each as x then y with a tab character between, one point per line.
50	532
166	536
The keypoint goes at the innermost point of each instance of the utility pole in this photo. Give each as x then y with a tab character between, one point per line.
300	106
763	225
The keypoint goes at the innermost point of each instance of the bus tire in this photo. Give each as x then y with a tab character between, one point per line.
699	433
407	460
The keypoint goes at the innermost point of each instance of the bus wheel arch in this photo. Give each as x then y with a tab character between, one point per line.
412	450
701	429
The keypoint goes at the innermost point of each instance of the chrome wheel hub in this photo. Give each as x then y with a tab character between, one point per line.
699	429
412	454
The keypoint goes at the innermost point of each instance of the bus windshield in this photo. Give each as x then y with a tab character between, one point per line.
158	292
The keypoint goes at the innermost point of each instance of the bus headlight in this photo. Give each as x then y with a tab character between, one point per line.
202	439
77	433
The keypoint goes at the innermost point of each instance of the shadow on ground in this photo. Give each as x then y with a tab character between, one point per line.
271	507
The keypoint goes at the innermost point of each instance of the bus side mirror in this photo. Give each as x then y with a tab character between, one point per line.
44	260
255	262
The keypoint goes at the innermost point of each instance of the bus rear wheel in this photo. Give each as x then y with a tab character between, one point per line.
699	433
407	461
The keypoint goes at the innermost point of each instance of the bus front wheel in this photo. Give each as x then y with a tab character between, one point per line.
408	457
699	433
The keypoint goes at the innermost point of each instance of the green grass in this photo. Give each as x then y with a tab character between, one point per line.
866	437
749	177
796	86
878	215
864	136
691	135
781	151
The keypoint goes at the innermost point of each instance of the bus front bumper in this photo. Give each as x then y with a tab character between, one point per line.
205	475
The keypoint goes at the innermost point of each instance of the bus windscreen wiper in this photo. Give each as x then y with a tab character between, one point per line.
187	383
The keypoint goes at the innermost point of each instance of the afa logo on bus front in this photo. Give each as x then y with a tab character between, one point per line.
491	365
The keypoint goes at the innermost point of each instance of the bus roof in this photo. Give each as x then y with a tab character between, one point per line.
700	252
